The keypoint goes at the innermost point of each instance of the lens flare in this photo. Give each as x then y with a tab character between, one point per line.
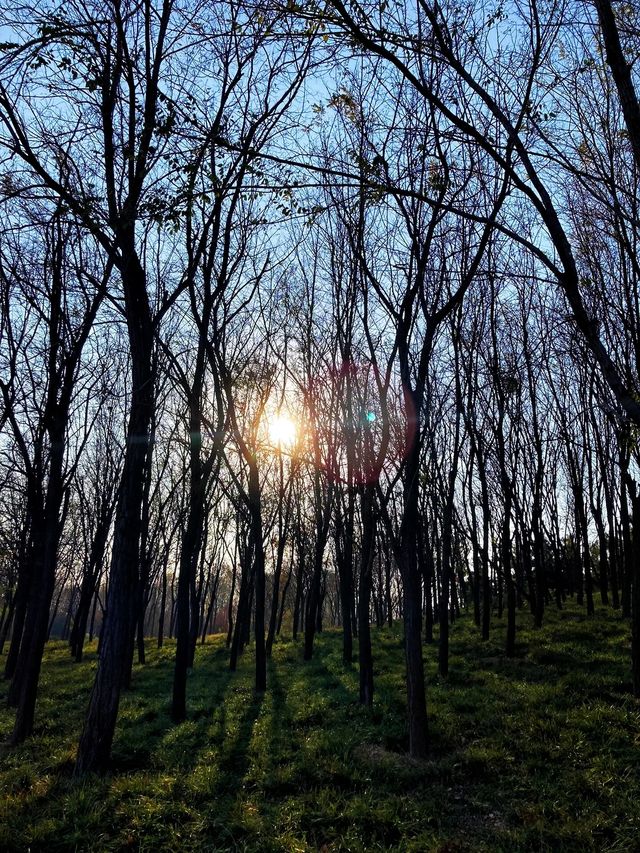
370	424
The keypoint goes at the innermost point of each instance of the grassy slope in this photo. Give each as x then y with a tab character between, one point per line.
541	752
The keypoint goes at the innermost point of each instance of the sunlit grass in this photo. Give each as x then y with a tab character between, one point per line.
537	752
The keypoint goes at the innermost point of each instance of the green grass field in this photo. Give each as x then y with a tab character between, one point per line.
540	752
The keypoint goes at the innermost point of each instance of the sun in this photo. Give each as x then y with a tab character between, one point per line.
282	431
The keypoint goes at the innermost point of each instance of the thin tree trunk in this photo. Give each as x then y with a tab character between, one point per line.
259	575
635	593
365	658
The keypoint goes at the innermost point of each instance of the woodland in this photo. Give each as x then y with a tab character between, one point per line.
319	425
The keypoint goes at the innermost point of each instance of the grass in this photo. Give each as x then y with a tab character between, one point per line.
536	753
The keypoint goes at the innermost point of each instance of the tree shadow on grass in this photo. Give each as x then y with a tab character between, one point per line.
147	737
235	751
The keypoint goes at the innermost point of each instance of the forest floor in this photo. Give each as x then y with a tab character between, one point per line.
540	752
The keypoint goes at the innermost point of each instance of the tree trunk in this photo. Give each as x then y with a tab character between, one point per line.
6	625
365	658
286	590
189	552
163	604
412	607
119	623
243	613
635	595
314	599
45	551
283	529
23	589
259	575
344	556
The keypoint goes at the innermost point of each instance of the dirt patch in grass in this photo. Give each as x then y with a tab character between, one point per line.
373	754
